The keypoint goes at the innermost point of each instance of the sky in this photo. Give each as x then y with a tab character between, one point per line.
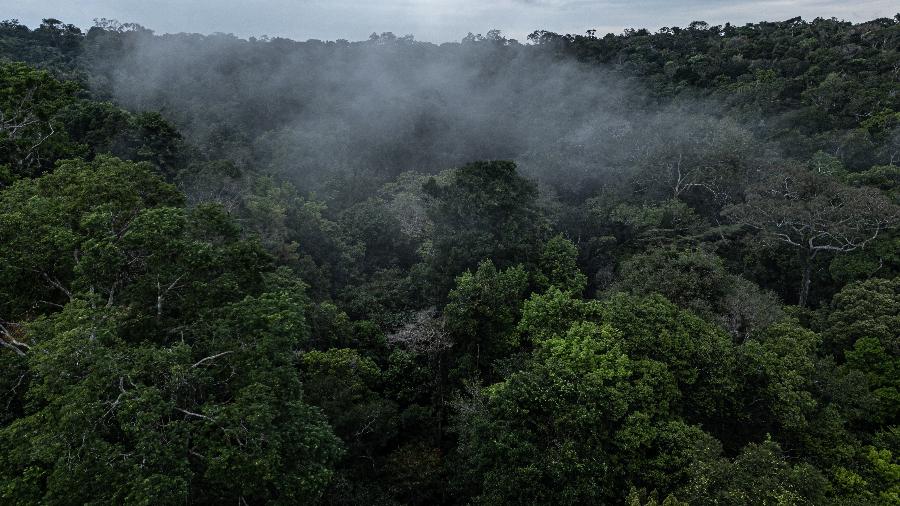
428	20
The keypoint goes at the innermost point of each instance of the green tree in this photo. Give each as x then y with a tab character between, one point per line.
760	475
216	415
582	423
481	315
862	331
346	386
697	280
558	266
485	211
31	131
68	231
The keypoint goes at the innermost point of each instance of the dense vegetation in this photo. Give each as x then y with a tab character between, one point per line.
267	271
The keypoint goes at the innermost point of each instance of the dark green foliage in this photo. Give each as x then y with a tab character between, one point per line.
481	313
816	79
863	332
169	373
698	281
52	45
761	474
811	211
43	120
72	230
31	103
484	211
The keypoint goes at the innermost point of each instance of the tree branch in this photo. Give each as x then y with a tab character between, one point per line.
211	357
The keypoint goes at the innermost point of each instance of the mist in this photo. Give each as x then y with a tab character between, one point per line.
312	110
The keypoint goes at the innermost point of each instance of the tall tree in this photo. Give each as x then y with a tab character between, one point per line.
485	211
816	214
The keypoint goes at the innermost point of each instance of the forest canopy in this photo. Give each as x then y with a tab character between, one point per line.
641	268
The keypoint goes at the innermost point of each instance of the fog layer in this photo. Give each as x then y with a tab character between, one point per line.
387	105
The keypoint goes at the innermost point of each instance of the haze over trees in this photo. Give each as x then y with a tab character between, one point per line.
645	268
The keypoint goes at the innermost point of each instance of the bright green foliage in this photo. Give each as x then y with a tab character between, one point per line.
558	266
791	393
876	480
699	356
578	425
284	446
543	315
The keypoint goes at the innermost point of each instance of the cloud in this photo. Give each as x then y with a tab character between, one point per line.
431	20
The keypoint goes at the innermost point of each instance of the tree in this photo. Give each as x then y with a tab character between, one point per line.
214	416
43	120
582	423
761	474
70	230
697	280
816	214
162	362
681	154
861	330
31	105
700	357
485	211
346	386
558	266
481	315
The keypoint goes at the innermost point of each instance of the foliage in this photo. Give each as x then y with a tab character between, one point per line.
485	211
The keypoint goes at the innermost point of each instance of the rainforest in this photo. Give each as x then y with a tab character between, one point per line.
657	267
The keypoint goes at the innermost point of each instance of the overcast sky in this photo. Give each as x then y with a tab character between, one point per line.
430	20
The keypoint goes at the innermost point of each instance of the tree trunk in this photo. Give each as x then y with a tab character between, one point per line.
806	280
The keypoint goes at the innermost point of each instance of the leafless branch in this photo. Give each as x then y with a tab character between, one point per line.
211	357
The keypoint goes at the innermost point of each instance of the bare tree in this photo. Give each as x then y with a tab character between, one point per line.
684	153
425	333
815	213
10	335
